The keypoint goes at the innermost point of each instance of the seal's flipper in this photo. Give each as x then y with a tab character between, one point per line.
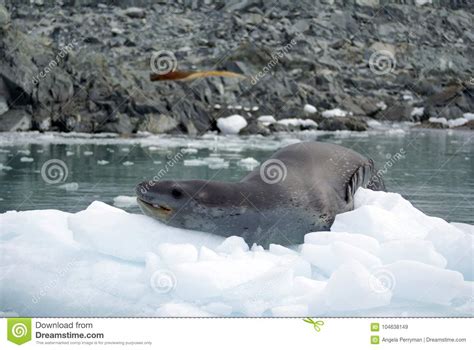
360	178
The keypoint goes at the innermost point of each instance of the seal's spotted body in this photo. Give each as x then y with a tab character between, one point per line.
300	189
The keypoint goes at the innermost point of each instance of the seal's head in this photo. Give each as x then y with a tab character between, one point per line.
193	204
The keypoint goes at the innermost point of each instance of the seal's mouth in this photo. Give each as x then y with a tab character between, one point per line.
161	210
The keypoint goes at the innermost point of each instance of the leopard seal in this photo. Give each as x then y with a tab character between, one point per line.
300	189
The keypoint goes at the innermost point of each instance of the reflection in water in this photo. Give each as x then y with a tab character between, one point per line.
433	169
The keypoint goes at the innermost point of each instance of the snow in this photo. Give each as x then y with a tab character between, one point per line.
468	116
384	258
266	119
102	162
125	201
231	125
417	111
310	109
452	123
26	159
336	112
298	122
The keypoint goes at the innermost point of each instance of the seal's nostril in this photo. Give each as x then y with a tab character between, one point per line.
176	193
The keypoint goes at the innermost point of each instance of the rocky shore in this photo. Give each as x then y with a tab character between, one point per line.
84	65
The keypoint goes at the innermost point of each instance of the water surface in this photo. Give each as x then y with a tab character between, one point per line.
433	169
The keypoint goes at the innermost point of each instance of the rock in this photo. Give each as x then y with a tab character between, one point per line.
158	124
396	113
342	123
135	12
3	105
255	128
15	120
121	125
5	20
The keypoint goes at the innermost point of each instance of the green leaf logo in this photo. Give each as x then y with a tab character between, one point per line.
316	324
19	330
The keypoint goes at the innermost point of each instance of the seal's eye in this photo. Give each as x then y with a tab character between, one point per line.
176	193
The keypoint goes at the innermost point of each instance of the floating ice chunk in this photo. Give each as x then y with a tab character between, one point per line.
466	228
336	112
248	163
71	186
233	244
357	240
102	162
411	249
371	220
5	167
329	258
189	150
280	250
217	106
88	153
172	254
208	254
361	295
174	309
218	308
138	234
194	162
26	159
69	153
231	125
127	163
125	201
297	310
427	284
26	152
